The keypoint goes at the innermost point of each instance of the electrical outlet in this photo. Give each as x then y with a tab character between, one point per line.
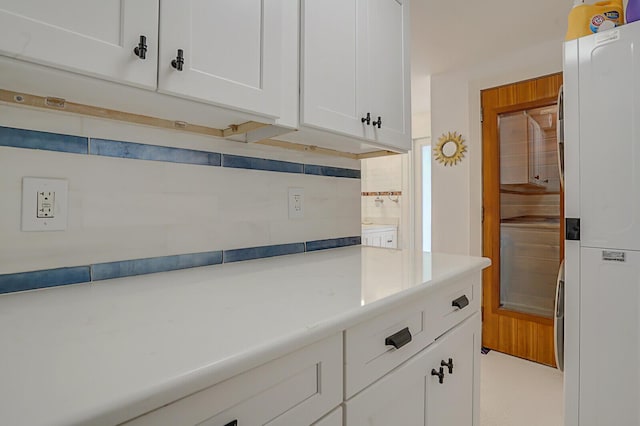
296	203
44	204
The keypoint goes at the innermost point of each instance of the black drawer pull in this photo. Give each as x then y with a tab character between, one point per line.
233	423
399	339
461	302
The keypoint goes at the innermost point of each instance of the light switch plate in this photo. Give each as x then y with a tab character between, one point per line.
48	195
296	203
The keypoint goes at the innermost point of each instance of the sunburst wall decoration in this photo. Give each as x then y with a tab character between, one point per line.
450	149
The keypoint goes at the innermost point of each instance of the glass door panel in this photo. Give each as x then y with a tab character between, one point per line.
529	210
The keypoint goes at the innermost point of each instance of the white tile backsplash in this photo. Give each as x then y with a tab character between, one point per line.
125	209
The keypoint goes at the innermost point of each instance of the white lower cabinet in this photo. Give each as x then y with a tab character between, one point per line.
424	390
297	389
387	238
416	364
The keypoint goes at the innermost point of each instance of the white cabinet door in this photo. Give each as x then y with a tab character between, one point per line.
412	395
609	337
355	67
388	84
90	37
451	403
390	239
397	399
231	50
331	75
609	138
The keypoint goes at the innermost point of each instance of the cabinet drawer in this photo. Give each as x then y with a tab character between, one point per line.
368	353
298	388
452	305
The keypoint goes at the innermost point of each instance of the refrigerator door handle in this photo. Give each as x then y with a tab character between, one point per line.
560	135
558	320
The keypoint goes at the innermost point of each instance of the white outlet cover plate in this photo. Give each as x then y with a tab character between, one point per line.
296	203
30	188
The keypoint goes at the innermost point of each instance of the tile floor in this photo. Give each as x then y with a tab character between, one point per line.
516	392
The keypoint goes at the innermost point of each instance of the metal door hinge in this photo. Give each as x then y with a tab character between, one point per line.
482	115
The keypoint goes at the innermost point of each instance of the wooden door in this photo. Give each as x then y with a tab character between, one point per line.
232	52
95	38
387	94
516	328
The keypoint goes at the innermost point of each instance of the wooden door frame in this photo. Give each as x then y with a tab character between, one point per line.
501	327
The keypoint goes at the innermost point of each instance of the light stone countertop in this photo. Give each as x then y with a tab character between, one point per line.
105	352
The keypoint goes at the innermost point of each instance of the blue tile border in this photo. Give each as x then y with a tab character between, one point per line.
139	151
311	169
333	243
239	162
32	139
127	268
238	255
31	280
22	281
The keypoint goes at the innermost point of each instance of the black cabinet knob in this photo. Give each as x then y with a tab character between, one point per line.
178	62
439	373
461	302
141	49
399	339
378	123
366	119
448	364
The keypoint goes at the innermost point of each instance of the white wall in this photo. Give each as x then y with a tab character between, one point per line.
455	106
123	209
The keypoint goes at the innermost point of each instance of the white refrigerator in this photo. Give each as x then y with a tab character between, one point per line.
602	210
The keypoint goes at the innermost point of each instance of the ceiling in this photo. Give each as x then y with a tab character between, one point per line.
452	34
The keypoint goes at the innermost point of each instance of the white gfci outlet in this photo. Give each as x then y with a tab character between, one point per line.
296	203
44	204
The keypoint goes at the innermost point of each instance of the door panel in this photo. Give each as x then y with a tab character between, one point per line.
522	202
609	336
232	52
386	95
331	86
397	398
610	90
459	347
94	38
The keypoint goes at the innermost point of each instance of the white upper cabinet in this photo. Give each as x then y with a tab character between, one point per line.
388	90
90	37
355	69
231	52
331	79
